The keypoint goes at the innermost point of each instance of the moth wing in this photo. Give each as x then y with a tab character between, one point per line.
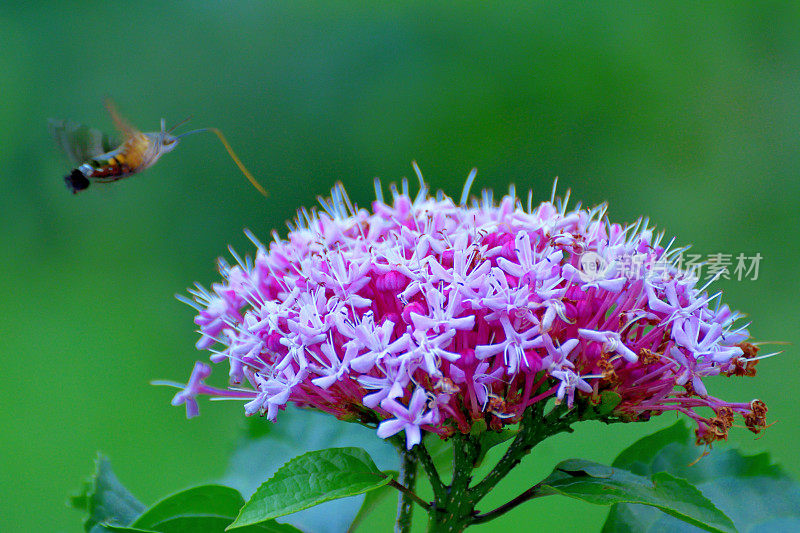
122	125
78	141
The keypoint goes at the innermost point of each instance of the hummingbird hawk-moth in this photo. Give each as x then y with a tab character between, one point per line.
101	160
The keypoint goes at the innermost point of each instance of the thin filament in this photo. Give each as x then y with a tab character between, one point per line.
239	164
233	155
182	122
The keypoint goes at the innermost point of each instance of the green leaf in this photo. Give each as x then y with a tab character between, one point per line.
608	402
641	453
371	501
265	447
206	524
441	452
755	493
489	439
310	479
122	529
205	500
605	485
105	499
203	509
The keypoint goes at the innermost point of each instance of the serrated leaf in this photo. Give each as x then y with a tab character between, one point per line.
265	447
310	479
105	499
755	493
371	501
205	500
203	509
206	524
605	485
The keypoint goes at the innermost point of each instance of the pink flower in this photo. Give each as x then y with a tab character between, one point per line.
427	315
409	420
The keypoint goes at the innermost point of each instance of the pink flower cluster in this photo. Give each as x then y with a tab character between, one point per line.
428	315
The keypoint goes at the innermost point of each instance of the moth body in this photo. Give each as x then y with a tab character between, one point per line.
98	159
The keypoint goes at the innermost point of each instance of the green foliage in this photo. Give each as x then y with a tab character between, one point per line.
371	501
490	439
755	493
204	500
441	452
605	485
310	479
264	447
203	509
722	493
105	499
608	401
205	524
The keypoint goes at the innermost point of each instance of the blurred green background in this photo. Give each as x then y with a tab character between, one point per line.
687	113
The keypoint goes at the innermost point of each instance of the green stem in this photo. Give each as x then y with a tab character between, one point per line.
407	480
411	494
455	512
425	459
529	494
533	429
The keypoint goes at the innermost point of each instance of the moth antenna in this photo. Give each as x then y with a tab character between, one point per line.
181	123
233	155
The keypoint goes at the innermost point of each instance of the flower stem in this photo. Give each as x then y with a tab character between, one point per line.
533	429
529	494
426	461
407	480
456	510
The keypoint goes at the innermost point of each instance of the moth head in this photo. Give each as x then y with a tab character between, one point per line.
168	142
